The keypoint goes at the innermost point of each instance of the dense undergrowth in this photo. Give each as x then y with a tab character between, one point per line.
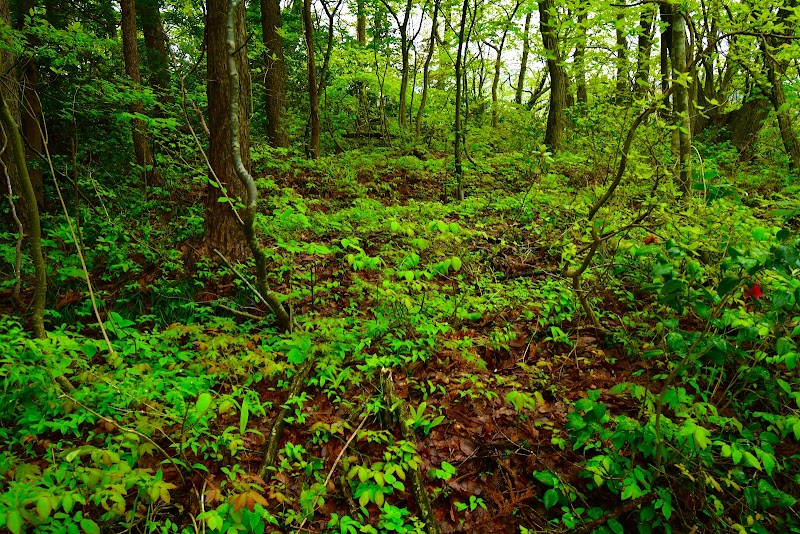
682	415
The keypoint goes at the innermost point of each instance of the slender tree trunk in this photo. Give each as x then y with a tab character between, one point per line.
144	157
313	96
275	78
427	68
581	94
14	145
459	172
361	23
556	119
523	62
643	48
243	174
223	229
621	93
665	44
31	110
155	44
681	103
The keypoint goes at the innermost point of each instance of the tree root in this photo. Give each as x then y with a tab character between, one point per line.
398	406
277	425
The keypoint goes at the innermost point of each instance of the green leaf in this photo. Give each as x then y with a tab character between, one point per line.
551	498
14	522
203	403
244	416
728	284
43	507
455	263
89	526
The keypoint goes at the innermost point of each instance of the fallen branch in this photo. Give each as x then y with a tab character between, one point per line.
277	425
333	467
398	406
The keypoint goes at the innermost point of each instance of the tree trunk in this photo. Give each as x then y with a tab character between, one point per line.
11	131
621	93
523	62
665	45
643	49
275	77
155	44
144	157
744	124
31	112
459	172
313	96
223	231
579	57
427	67
361	23
9	86
556	119
681	103
776	69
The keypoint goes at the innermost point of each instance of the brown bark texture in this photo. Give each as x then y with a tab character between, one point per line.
556	119
222	228
275	77
313	96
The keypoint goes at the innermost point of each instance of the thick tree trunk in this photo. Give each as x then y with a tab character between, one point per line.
144	157
313	96
427	67
275	77
776	69
681	103
744	124
644	46
523	62
556	119
581	95
9	87
223	231
31	110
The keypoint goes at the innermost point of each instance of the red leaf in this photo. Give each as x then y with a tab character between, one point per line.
754	291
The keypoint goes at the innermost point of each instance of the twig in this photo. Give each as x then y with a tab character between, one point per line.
126	429
333	467
240	313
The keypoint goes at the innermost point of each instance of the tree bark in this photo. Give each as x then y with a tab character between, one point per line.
523	62
556	119
427	67
681	103
405	47
361	23
31	110
243	174
155	44
459	172
222	227
313	96
144	156
9	86
14	145
581	95
644	46
275	78
621	93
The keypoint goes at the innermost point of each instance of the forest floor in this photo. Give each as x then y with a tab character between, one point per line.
458	307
